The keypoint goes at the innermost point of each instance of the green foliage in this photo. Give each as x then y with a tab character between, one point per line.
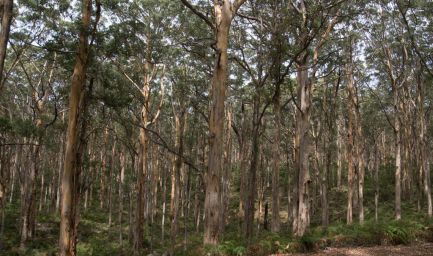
226	248
396	234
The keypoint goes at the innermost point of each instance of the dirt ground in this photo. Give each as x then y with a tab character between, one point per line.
424	249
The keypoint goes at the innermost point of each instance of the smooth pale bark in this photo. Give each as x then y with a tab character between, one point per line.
340	153
423	144
361	166
180	119
359	148
164	202
6	18
351	151
110	184
397	83
121	185
397	133
68	217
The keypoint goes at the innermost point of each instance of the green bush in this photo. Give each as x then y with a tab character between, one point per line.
396	234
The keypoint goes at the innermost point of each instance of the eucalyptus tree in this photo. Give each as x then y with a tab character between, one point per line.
6	11
70	195
224	12
310	30
391	46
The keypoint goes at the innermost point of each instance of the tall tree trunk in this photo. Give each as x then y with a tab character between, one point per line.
212	203
103	173
6	18
68	221
226	177
340	153
302	217
243	152
251	186
397	132
275	222
110	184
423	144
351	139
142	171
224	13
376	181
179	133
121	185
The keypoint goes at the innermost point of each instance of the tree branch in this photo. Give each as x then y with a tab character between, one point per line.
198	13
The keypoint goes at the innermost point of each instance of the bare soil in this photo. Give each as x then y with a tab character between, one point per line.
423	249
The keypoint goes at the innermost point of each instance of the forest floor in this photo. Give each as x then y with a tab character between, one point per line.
422	249
411	236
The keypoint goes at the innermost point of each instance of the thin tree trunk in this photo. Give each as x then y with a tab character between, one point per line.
121	184
351	139
423	144
376	181
251	186
142	171
179	132
397	132
275	222
110	184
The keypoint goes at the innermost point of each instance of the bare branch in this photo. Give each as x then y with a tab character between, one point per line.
198	13
162	97
237	4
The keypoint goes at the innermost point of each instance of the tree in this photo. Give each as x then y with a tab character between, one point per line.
6	9
70	193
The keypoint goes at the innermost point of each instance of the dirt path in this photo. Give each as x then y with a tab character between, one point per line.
412	250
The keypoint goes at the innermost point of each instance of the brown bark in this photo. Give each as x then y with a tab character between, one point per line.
376	181
302	217
243	152
351	139
340	153
110	184
180	119
103	174
29	177
251	186
275	221
141	173
6	18
397	133
224	12
121	185
68	222
226	177
422	127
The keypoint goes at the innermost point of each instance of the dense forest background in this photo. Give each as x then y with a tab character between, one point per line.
224	127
